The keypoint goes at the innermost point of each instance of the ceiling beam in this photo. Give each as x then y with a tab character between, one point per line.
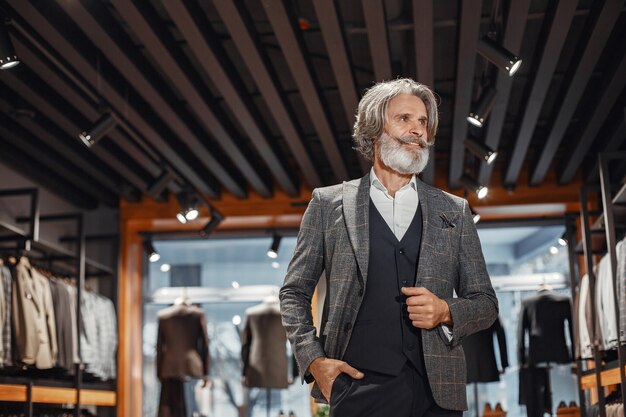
599	27
68	92
261	71
290	43
47	178
617	138
376	23
466	58
171	152
553	43
35	95
605	99
48	157
143	23
423	34
512	40
334	40
134	70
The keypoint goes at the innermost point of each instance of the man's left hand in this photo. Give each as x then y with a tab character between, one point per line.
426	310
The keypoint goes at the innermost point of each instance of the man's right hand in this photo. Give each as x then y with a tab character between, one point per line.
326	370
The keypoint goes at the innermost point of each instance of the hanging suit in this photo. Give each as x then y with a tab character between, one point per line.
264	347
33	318
480	356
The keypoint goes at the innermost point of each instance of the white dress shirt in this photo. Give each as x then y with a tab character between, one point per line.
398	211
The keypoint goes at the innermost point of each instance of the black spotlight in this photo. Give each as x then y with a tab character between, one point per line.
188	207
498	55
216	219
482	108
563	240
272	252
153	255
8	57
103	125
481	150
472	185
475	215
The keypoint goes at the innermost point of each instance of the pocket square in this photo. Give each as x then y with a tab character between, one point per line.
446	221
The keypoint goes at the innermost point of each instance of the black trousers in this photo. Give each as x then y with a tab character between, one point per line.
381	395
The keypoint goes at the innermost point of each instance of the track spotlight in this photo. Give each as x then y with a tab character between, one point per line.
498	55
482	108
272	252
475	216
216	219
153	255
103	125
188	207
471	185
481	150
562	240
8	57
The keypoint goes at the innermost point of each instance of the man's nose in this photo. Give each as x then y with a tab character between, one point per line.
418	130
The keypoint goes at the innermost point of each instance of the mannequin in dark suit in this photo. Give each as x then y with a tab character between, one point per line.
182	353
264	346
480	356
543	317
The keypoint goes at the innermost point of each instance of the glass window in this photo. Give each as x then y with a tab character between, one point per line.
229	276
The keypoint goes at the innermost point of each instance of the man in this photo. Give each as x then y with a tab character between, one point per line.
393	250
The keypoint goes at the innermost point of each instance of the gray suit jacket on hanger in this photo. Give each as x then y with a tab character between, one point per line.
334	237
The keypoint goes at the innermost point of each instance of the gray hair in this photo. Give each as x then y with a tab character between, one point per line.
372	112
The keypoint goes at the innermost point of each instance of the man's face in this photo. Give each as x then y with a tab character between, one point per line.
403	146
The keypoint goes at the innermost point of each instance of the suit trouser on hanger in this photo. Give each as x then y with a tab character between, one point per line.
534	391
380	395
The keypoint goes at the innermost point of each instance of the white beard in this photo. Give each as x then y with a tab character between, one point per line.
405	160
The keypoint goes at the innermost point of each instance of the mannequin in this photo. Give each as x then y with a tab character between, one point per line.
182	353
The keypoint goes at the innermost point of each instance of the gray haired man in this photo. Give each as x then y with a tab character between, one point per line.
393	251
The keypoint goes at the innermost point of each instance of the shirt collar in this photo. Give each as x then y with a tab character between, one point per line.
374	181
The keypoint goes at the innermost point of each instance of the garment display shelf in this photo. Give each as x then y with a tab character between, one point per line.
56	395
598	238
17	241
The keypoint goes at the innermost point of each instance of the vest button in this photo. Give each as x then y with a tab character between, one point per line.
404	281
347	327
401	251
410	346
361	291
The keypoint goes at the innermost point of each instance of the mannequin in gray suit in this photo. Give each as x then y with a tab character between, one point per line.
394	250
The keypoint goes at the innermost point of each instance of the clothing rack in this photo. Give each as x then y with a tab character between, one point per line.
593	243
27	242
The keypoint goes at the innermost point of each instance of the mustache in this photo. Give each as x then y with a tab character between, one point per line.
413	140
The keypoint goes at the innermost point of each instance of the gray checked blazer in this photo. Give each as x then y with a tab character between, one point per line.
334	238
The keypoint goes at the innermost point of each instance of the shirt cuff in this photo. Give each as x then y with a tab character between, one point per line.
448	332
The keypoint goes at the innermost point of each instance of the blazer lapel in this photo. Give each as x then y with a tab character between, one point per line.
428	200
356	196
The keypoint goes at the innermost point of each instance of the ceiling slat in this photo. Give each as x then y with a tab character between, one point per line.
423	34
138	22
602	24
335	42
173	154
466	58
130	69
289	41
559	27
618	137
265	80
611	91
513	35
375	21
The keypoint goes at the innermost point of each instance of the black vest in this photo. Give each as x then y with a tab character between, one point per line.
383	337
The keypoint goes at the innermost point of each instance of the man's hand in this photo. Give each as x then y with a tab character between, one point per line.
426	310
326	370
